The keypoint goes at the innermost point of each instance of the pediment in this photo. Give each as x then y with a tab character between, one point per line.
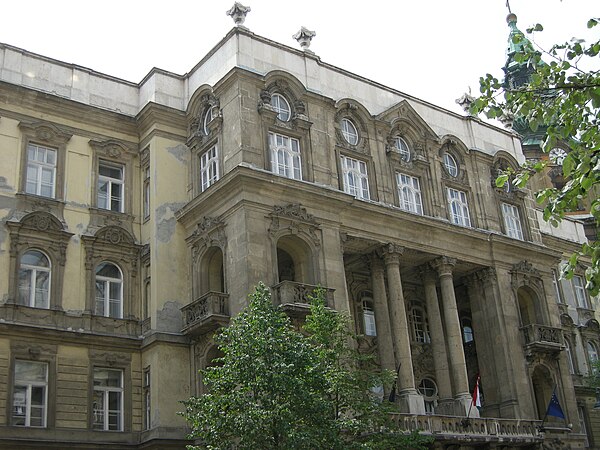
403	117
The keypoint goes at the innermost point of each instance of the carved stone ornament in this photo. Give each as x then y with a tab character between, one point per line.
294	219
238	13
524	274
349	111
422	357
465	101
209	232
45	132
42	221
113	149
566	320
110	358
115	235
592	325
304	36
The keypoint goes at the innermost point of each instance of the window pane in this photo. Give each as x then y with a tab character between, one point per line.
30	371
19	409
98	409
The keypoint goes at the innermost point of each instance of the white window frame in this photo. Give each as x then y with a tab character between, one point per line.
419	324
403	148
33	272
467	331
355	177
147	399
209	168
110	201
429	394
29	385
106	391
557	291
512	221
368	313
409	193
208	117
146	193
458	207
285	156
39	164
349	131
105	300
282	107
569	355
450	164
579	290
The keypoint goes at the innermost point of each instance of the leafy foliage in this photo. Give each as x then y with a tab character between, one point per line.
561	99
278	388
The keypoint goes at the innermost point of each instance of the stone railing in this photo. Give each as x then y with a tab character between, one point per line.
471	430
200	311
542	335
291	292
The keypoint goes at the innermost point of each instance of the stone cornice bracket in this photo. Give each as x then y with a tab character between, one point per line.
304	36
443	265
238	13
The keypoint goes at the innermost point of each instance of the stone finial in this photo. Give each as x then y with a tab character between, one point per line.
238	13
304	36
465	101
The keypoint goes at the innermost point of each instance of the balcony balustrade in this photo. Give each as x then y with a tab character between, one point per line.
294	296
473	431
206	313
542	338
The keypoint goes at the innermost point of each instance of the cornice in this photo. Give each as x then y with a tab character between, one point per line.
157	115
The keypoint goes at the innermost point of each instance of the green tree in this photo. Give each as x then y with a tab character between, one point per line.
561	99
278	388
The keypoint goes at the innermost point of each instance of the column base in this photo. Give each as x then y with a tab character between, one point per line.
463	405
411	402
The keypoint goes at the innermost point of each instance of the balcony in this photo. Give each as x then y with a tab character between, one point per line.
458	430
542	338
294	297
206	313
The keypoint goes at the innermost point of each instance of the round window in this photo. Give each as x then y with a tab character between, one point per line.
208	116
402	148
281	106
450	164
349	131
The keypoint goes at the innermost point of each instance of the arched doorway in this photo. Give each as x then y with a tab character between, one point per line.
543	386
294	261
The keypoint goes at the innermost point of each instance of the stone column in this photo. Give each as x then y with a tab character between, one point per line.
458	367
438	343
410	400
385	344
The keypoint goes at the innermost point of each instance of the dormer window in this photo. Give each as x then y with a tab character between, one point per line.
450	165
349	131
402	148
281	106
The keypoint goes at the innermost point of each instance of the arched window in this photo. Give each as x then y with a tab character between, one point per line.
368	316
428	389
467	331
419	325
592	351
208	116
349	131
402	148
281	106
34	279
109	290
450	164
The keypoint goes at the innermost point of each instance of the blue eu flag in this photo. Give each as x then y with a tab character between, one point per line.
554	408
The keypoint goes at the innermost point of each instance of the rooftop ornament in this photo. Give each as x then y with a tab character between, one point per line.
304	36
238	13
465	101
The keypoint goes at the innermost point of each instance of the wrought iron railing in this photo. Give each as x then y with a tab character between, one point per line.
291	292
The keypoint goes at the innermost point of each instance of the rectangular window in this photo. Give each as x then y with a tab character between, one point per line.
107	402
458	207
579	289
209	168
146	193
111	187
30	394
409	193
512	221
285	156
559	297
41	170
355	177
582	425
146	393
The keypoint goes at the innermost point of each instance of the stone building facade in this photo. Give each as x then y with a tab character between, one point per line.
136	218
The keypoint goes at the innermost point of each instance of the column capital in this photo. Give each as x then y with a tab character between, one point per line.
391	253
443	265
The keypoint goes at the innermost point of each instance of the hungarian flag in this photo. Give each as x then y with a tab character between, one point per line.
477	394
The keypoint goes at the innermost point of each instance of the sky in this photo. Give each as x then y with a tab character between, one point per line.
431	49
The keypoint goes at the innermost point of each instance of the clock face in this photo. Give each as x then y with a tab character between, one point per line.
557	155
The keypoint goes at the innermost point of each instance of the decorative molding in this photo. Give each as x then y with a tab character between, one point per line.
293	218
209	232
350	111
45	132
238	13
304	37
114	149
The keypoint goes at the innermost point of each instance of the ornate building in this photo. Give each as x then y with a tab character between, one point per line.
136	218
